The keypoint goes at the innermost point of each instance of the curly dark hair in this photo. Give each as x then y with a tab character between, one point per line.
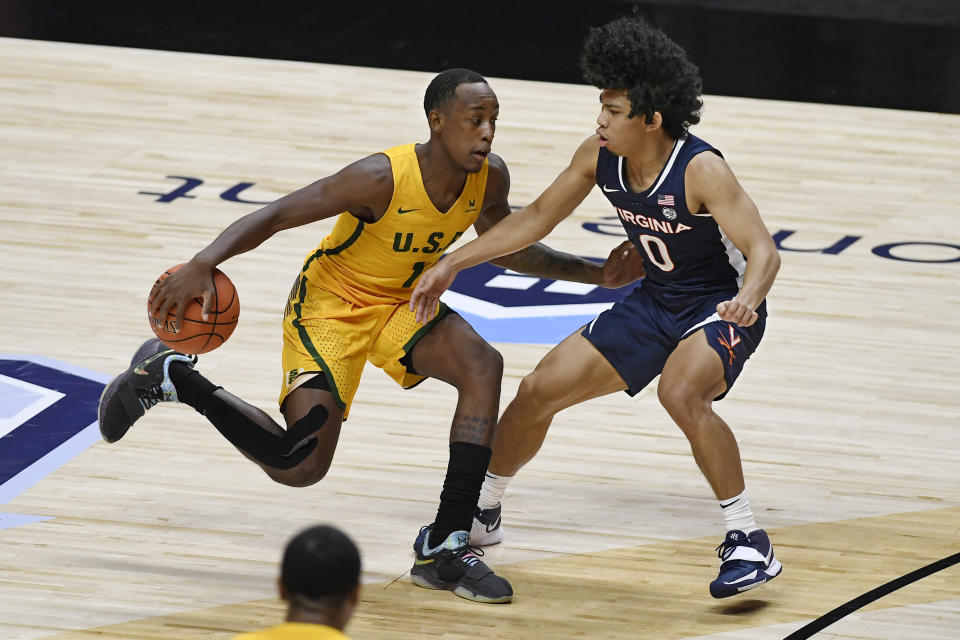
443	87
632	55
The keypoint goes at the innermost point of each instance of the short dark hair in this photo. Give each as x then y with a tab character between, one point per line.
443	87
632	55
321	562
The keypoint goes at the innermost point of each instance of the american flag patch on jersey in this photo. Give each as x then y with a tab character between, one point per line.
665	200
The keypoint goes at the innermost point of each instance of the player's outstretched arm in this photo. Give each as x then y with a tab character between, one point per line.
711	182
364	188
513	232
622	267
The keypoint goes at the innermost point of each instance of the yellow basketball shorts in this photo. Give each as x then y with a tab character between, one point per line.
323	333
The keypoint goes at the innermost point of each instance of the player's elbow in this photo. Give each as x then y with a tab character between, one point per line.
773	258
765	253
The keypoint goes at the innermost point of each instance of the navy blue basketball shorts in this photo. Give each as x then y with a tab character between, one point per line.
638	334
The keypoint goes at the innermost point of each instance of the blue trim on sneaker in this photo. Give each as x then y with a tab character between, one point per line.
456	540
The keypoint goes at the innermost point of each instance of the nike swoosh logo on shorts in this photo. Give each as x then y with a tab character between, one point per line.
609	190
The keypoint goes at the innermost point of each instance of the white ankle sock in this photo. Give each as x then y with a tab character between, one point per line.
737	513
491	493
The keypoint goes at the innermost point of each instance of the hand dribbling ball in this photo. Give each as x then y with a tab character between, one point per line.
198	335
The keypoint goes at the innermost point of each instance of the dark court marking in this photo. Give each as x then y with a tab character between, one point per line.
846	609
40	434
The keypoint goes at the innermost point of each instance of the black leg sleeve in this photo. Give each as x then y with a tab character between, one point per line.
268	444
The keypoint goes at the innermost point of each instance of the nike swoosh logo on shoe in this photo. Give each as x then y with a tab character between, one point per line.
749	576
419	561
140	371
494	526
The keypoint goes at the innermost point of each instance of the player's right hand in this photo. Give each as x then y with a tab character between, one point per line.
193	280
426	295
736	312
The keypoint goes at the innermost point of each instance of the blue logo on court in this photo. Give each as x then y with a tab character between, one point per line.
48	415
504	306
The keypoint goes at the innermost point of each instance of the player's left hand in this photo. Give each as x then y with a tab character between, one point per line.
623	266
736	312
426	295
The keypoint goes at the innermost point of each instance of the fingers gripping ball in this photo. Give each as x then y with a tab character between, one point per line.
198	335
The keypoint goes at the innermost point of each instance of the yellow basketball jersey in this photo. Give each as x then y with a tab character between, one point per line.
379	263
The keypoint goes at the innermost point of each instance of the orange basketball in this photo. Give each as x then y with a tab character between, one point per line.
198	335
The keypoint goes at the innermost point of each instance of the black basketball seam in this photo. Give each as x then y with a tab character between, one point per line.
214	323
233	295
216	305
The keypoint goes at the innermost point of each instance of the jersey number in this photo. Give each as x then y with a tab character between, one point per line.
417	270
660	257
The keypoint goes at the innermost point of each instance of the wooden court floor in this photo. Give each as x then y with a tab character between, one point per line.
847	416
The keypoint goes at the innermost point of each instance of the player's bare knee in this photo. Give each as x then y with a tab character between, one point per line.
491	363
307	473
289	479
684	404
313	474
534	396
482	367
303	454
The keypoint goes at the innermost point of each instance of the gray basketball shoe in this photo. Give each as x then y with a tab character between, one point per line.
454	566
144	384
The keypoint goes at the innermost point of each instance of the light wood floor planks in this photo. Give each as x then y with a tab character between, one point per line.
847	415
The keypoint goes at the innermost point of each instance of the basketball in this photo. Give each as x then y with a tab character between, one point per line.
198	335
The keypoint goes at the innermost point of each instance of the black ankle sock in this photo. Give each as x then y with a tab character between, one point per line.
192	388
461	490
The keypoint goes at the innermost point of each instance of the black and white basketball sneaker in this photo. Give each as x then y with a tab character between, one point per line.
487	528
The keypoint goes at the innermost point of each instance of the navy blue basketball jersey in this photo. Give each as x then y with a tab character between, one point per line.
683	252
